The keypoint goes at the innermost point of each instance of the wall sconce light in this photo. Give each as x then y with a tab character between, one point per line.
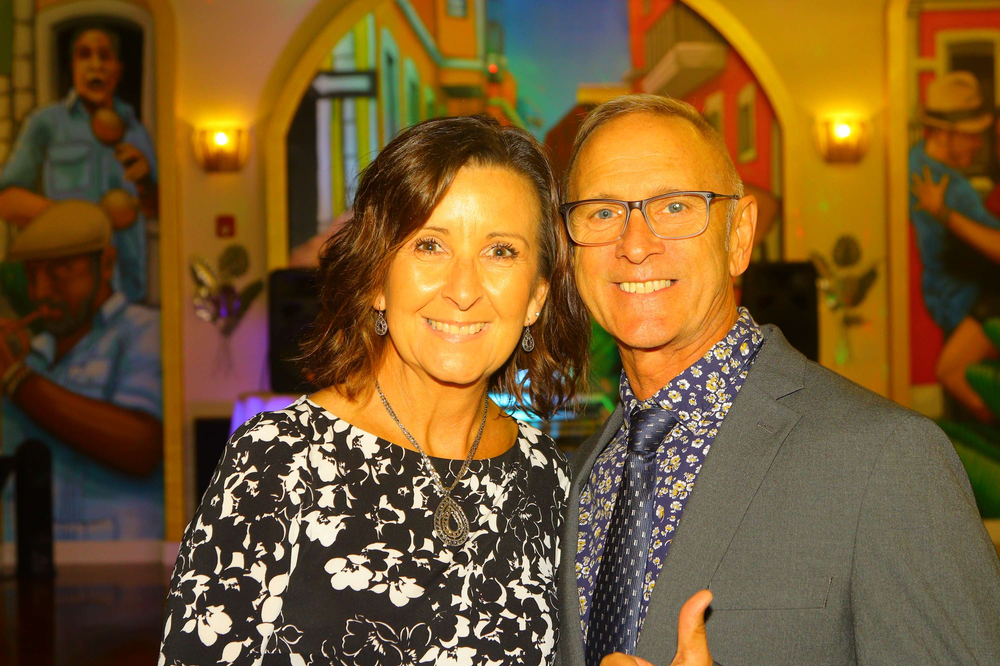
221	148
842	138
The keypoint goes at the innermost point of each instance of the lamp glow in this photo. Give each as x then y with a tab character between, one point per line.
842	138
221	148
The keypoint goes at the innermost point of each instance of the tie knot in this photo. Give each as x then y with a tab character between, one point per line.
648	427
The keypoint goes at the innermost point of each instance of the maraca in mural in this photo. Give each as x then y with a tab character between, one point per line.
109	128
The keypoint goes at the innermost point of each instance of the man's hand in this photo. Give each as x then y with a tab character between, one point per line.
135	163
692	643
14	344
930	195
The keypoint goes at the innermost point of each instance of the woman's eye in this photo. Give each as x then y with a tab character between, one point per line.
503	252
428	246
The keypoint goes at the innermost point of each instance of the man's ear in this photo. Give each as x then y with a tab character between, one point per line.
116	74
741	235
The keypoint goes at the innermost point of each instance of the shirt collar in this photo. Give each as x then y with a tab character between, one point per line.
702	381
44	344
74	104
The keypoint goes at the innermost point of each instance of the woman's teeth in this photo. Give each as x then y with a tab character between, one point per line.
644	287
455	329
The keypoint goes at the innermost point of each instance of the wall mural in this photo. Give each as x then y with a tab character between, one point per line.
80	337
954	164
407	61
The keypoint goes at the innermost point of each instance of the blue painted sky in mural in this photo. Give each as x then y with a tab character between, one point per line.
554	45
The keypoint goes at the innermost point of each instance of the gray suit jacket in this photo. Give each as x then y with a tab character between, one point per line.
833	527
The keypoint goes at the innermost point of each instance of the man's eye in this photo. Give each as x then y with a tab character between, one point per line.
675	207
604	214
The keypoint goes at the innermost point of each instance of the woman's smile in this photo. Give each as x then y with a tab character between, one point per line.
458	330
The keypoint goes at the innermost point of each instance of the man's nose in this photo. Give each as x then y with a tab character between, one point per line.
638	241
464	287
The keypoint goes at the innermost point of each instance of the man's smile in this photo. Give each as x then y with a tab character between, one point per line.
647	287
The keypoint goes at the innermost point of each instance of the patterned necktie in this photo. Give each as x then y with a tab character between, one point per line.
617	602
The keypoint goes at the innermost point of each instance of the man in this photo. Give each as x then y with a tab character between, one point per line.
959	240
89	384
58	149
830	526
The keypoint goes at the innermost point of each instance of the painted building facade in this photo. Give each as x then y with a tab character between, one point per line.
676	52
404	62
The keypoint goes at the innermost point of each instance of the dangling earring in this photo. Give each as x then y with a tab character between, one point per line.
381	327
527	342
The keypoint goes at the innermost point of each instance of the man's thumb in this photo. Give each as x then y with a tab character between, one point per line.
691	625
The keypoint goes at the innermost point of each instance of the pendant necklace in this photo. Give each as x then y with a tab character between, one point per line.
450	522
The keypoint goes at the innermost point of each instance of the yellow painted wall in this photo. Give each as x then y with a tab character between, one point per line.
42	4
457	36
829	54
831	58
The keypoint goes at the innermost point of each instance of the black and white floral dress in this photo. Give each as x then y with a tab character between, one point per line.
314	545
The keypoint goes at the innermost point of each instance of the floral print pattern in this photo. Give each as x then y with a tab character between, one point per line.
314	545
700	397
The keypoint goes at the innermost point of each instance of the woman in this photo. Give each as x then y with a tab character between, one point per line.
399	516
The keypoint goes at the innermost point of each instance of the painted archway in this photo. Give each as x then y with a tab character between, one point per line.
299	62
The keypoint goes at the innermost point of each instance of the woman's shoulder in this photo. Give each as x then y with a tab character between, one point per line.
273	437
539	448
290	424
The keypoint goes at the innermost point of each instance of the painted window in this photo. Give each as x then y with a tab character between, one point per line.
412	78
712	112
430	103
457	8
344	60
746	123
390	76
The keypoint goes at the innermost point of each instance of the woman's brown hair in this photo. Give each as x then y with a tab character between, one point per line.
395	197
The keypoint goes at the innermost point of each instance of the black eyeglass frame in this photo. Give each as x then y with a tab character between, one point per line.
709	197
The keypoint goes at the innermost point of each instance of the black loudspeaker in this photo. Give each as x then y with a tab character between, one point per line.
33	495
293	303
210	437
784	294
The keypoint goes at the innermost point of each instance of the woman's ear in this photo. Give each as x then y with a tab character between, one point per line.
537	301
379	302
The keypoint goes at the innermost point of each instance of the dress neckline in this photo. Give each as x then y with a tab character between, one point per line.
392	446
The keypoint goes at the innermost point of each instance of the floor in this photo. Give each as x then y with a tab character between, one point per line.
87	616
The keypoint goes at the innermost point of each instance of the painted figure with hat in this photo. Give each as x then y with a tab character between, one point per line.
88	382
89	146
958	238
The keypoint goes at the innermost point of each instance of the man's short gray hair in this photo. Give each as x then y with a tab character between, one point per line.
671	108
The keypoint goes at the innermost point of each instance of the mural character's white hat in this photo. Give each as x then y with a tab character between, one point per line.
64	229
955	103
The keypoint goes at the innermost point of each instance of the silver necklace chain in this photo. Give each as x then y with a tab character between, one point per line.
450	522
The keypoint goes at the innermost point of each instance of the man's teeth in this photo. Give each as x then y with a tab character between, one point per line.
644	287
455	329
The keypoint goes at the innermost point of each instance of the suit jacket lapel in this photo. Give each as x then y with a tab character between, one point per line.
571	648
737	463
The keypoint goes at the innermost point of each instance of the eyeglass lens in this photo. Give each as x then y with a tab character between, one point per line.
673	216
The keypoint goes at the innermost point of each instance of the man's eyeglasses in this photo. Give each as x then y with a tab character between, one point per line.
669	216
